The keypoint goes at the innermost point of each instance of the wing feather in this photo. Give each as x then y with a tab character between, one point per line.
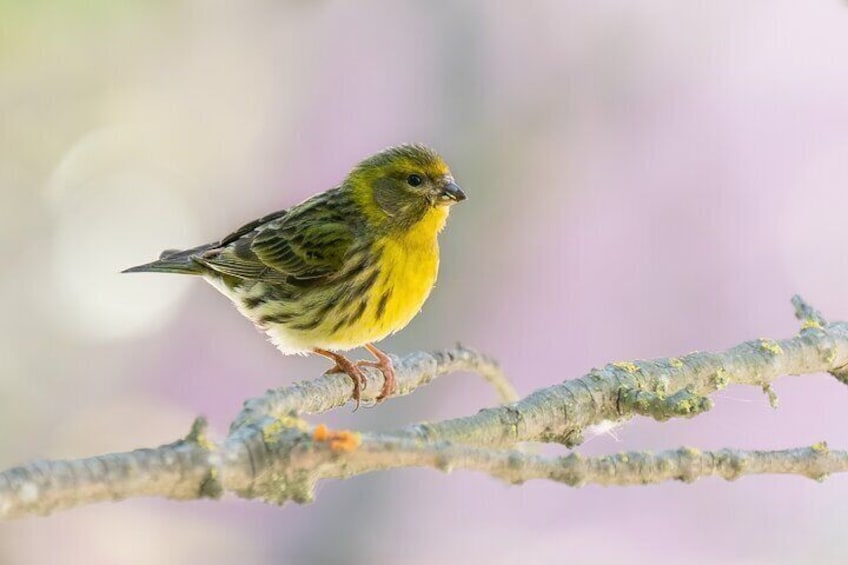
304	245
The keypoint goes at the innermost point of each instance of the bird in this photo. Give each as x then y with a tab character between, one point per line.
341	270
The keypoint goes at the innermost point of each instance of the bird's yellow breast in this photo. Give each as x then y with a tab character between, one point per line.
404	269
408	266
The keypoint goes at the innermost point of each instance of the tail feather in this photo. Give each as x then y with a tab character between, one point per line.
183	266
173	261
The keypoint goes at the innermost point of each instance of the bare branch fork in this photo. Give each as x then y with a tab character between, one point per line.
273	455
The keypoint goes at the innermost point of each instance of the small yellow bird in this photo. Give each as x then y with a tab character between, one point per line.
342	269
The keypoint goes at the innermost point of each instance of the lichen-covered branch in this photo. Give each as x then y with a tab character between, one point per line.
178	470
333	390
633	468
196	467
272	454
659	388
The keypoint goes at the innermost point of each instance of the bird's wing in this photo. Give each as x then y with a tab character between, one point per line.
250	226
302	246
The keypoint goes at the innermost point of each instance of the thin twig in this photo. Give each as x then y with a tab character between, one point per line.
273	455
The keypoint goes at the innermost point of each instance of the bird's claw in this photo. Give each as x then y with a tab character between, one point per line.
384	364
354	371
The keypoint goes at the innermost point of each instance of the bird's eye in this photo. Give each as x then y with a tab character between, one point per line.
414	180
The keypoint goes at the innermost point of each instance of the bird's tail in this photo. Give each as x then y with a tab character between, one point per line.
173	261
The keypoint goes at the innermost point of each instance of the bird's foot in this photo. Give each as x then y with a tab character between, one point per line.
348	367
384	363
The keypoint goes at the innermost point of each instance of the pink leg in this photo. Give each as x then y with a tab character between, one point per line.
384	363
345	365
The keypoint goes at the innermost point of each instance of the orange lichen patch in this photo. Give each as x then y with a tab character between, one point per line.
321	432
346	441
341	440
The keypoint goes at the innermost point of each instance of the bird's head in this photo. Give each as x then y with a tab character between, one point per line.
400	186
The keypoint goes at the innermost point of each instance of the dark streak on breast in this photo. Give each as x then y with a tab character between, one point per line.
252	302
381	306
310	325
363	288
275	319
360	310
343	321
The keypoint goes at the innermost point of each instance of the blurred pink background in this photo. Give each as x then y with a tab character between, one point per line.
644	180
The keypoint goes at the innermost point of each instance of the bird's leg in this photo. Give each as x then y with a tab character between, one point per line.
384	363
346	366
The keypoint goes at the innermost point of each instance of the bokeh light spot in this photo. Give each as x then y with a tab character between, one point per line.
113	218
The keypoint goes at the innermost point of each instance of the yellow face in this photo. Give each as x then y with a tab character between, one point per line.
403	183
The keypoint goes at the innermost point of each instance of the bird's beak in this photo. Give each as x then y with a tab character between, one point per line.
451	193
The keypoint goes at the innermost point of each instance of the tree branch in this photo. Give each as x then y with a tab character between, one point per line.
274	455
633	468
